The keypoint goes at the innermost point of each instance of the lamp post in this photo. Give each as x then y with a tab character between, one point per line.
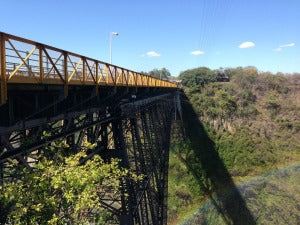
111	34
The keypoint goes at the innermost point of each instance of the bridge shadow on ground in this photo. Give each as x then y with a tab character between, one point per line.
203	160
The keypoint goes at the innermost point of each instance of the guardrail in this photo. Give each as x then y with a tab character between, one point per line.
26	61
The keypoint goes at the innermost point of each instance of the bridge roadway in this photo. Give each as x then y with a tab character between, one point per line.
48	95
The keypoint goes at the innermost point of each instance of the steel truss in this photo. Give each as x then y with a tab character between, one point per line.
24	61
138	133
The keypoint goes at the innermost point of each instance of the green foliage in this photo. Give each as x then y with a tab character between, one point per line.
271	102
225	103
245	78
276	82
183	188
160	73
62	192
272	199
249	97
243	152
198	76
253	122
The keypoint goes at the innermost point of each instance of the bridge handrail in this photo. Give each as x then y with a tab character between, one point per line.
27	61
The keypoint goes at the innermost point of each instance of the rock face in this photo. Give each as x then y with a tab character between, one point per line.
272	198
219	124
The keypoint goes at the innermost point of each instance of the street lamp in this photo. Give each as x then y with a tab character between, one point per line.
111	34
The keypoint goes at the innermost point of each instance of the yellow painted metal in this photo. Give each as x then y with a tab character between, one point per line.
66	85
53	64
41	64
103	74
106	74
83	70
135	78
90	70
114	77
126	77
75	69
101	78
130	80
23	60
97	78
123	76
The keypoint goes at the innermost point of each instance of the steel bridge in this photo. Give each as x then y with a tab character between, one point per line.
126	114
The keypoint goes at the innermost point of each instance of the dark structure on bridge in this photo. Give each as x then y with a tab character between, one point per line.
126	114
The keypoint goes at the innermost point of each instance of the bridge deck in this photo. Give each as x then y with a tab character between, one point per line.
23	61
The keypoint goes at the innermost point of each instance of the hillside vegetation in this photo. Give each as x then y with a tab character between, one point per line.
248	126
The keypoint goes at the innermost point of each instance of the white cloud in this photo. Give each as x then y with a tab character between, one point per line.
287	45
247	44
198	52
279	49
152	54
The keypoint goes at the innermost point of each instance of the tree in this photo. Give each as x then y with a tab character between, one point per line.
62	192
198	76
245	78
225	102
162	73
272	103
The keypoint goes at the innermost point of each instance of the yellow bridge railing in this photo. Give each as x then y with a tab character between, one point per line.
26	61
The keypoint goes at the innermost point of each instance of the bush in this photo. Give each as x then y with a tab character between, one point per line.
62	193
272	103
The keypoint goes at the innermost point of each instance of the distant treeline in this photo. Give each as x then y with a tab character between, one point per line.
204	75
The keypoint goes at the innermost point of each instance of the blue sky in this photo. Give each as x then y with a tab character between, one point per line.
165	33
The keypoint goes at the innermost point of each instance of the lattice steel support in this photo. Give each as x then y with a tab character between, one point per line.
138	133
